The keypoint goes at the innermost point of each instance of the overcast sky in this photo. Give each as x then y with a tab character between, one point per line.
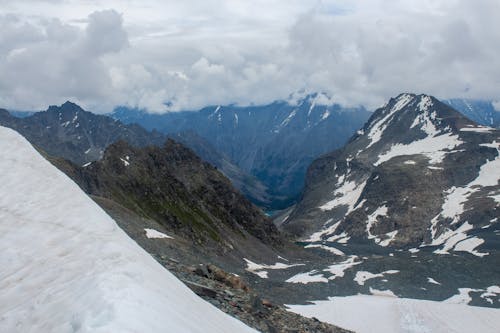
190	53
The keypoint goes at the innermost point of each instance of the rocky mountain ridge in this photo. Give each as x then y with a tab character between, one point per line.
418	174
173	187
75	134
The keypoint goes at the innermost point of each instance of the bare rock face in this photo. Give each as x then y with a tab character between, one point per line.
417	174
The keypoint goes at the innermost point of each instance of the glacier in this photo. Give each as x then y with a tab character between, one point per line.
67	267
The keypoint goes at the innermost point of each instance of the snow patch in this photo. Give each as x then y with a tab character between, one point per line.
125	162
151	233
307	277
469	244
289	118
462	297
431	280
261	269
434	148
326	248
394	315
385	293
372	219
316	237
338	270
325	115
389	237
456	197
378	127
346	195
479	129
363	276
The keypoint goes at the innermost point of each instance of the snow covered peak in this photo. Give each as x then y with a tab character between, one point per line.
66	266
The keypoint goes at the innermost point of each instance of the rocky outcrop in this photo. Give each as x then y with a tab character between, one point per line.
212	284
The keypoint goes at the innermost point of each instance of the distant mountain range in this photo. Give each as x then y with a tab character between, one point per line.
481	111
274	142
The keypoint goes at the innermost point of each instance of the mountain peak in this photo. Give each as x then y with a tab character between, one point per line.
415	140
66	107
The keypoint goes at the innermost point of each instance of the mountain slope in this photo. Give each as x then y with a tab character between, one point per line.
274	142
249	185
66	266
186	196
417	174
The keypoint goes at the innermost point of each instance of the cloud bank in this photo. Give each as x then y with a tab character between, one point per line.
151	53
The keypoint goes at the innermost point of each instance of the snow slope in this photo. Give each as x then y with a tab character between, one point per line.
65	266
372	314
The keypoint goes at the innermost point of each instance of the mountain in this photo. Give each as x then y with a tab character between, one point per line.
80	136
479	111
274	142
249	185
418	174
67	267
70	132
175	189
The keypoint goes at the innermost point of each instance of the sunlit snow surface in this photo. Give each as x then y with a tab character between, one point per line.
65	266
372	314
261	269
152	234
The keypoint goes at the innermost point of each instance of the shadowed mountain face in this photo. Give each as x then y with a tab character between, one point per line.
418	174
275	142
248	184
173	187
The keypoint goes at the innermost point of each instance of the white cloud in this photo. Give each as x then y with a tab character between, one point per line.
496	106
194	53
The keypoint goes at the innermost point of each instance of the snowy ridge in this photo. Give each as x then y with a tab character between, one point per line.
378	127
67	267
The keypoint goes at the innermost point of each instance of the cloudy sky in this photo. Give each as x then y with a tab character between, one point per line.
189	54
